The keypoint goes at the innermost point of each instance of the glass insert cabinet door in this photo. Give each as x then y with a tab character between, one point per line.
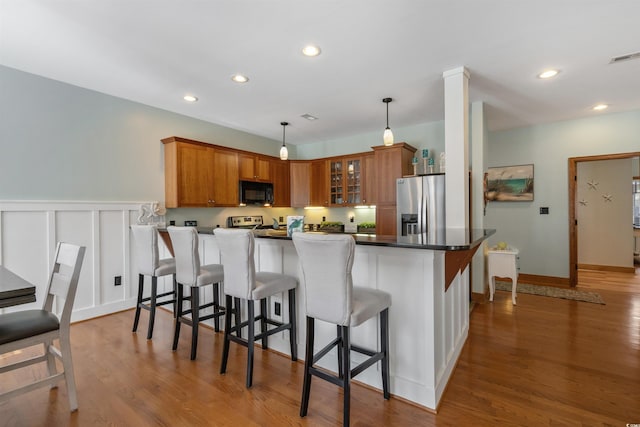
345	186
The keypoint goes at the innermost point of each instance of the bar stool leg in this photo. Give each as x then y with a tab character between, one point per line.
216	307
175	296
195	320
250	342
308	362
346	369
339	351
293	336
238	318
136	319
263	323
384	343
227	332
178	318
152	306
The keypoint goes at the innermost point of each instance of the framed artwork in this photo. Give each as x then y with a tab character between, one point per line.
510	184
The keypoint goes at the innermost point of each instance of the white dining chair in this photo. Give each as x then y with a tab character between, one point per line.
27	328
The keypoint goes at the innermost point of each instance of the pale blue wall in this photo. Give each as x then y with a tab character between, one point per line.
543	240
62	142
426	135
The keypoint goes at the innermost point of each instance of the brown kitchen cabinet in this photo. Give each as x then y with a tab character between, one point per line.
199	175
223	184
186	174
308	183
390	163
254	167
345	181
368	178
300	176
280	176
319	193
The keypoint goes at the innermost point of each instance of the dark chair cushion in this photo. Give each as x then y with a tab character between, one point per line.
24	324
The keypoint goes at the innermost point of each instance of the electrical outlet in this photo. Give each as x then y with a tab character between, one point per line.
280	219
276	307
117	281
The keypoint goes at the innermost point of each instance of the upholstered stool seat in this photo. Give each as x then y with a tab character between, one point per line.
326	262
241	281
150	264
190	274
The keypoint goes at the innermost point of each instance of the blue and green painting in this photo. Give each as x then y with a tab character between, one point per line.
510	183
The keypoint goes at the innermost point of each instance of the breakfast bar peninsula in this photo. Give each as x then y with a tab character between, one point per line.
429	315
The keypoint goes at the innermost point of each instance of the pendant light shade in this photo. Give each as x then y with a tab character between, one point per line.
284	153
387	137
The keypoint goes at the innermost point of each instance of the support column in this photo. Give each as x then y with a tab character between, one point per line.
456	142
479	150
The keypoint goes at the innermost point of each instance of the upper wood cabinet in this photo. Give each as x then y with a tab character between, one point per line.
300	176
319	192
345	181
281	183
254	167
223	186
186	174
199	175
368	179
390	163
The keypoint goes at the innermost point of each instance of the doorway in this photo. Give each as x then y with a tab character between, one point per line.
573	226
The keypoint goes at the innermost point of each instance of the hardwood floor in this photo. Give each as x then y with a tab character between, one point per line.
545	361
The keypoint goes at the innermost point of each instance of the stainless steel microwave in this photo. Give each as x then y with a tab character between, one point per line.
256	193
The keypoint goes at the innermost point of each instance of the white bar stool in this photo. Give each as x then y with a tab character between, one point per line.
326	261
189	273
503	263
242	281
150	264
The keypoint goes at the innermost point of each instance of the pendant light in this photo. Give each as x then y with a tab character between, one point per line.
387	137
284	153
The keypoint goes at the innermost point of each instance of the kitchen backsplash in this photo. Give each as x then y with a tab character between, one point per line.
214	217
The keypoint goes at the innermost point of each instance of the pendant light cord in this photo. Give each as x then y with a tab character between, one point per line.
284	126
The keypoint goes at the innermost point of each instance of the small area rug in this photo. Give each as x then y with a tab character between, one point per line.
551	291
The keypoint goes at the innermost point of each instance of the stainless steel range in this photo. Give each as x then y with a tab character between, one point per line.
254	221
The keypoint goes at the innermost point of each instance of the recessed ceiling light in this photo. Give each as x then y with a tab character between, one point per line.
309	117
239	78
547	74
311	50
190	98
600	107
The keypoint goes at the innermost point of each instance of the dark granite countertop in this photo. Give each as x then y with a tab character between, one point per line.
449	239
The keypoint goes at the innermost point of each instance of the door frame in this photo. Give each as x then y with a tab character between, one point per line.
573	226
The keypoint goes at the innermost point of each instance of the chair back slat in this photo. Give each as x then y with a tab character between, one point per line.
59	285
63	281
326	261
237	254
185	249
146	241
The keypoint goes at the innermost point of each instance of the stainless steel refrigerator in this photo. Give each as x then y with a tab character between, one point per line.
421	208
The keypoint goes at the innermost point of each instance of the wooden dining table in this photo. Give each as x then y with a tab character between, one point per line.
15	290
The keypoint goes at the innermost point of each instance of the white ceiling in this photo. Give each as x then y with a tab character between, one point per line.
154	52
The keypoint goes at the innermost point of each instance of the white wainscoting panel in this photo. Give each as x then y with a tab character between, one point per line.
30	230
